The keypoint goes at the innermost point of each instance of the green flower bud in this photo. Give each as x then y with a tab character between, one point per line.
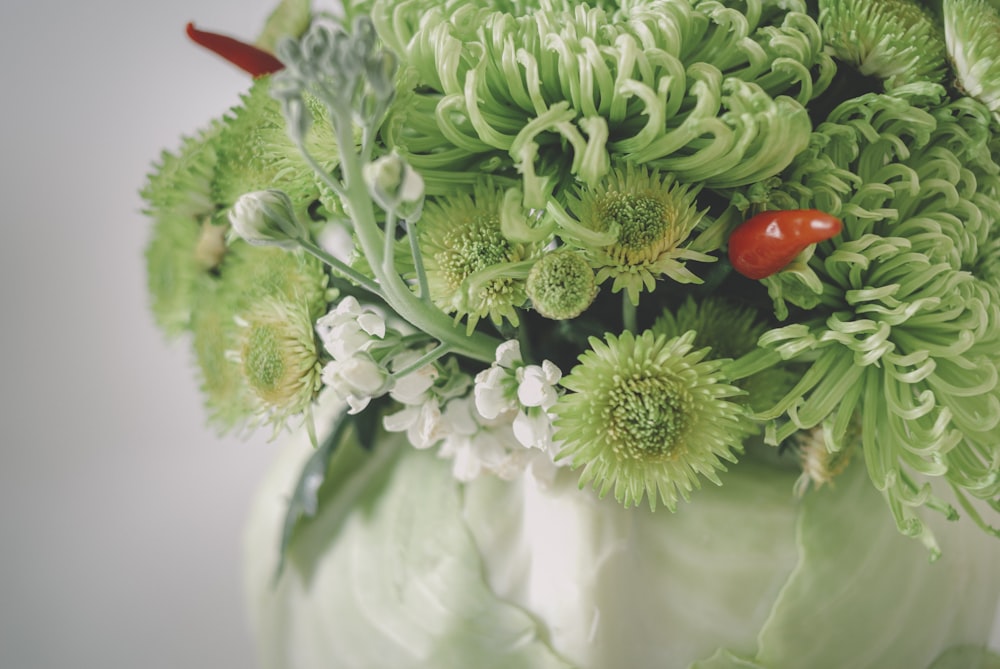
395	186
266	218
561	285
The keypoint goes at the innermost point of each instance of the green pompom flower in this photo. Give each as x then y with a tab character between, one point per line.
561	285
647	416
467	258
897	41
649	216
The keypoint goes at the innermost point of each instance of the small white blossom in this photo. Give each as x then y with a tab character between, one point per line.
493	392
420	422
509	354
536	385
413	388
350	328
355	380
471	448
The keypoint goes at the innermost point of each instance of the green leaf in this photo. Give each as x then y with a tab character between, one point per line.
723	659
289	19
305	497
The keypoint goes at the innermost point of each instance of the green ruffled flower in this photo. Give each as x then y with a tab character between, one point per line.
249	276
256	153
184	244
647	416
468	259
898	41
279	359
648	216
903	330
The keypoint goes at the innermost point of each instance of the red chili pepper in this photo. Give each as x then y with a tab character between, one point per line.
247	57
766	243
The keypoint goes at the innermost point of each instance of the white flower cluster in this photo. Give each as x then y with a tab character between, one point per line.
348	333
502	427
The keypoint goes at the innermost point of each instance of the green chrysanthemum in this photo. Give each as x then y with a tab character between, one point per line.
649	216
467	258
256	153
249	275
971	30
731	331
183	246
551	92
278	358
648	416
903	329
897	41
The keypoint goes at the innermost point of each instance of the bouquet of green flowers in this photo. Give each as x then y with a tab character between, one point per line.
525	274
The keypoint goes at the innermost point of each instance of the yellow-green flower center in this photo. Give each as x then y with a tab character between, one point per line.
647	417
263	361
643	223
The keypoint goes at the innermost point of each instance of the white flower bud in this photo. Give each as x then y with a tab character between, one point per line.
395	186
267	218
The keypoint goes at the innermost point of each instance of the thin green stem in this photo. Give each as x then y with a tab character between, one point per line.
434	354
343	268
388	257
629	319
397	293
418	263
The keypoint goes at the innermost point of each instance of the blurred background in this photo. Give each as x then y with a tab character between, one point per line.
121	514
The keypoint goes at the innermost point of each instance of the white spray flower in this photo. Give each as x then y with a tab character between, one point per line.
350	328
356	380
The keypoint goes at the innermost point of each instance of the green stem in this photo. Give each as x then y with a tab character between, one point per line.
629	319
396	292
418	263
434	354
341	267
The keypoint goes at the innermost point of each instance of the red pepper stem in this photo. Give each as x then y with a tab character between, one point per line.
247	57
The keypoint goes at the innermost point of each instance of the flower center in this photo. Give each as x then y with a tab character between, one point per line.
469	249
642	221
647	417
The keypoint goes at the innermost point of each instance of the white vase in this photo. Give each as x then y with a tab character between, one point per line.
404	567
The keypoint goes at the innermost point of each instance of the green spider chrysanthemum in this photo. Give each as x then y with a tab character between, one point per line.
897	41
650	216
903	328
648	416
552	92
467	257
971	30
279	359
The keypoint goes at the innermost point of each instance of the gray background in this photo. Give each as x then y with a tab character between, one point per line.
120	512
